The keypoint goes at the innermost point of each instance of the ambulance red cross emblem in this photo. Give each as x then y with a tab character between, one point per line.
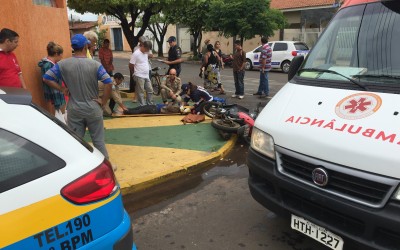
358	106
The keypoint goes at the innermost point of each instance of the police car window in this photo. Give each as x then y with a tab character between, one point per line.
280	47
300	46
258	49
22	161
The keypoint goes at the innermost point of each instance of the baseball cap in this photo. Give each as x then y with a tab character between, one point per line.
78	41
171	39
185	87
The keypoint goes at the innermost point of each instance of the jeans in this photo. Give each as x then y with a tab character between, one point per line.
143	84
264	86
238	77
78	123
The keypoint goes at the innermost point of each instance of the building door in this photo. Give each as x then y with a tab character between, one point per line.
117	34
184	39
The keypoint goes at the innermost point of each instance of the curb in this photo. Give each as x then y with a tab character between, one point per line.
180	170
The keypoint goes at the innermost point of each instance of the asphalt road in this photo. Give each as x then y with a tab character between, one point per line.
190	72
214	211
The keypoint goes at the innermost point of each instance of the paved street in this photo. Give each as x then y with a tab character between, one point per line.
215	212
212	209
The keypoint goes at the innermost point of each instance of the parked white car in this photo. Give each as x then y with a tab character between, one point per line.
282	54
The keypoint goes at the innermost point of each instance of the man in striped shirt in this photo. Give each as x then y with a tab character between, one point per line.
265	67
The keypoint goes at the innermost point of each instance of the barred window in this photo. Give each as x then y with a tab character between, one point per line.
50	3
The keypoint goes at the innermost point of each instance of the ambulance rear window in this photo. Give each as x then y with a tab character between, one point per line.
22	161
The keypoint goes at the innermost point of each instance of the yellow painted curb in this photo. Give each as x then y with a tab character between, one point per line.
178	171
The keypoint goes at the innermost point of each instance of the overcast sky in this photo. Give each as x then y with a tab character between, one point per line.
85	17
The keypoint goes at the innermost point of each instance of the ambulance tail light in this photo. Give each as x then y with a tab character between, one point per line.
96	185
294	53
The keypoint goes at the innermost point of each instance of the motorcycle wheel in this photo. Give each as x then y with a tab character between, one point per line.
225	125
210	108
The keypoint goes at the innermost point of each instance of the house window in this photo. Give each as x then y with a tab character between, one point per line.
50	3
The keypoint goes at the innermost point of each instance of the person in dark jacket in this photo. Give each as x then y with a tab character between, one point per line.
174	56
196	94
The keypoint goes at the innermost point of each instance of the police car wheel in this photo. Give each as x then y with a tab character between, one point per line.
285	66
248	65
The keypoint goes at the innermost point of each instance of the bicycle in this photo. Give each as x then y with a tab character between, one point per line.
156	79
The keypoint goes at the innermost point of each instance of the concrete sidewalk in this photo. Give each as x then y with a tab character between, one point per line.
151	150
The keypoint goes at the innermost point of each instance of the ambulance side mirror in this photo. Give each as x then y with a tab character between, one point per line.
294	66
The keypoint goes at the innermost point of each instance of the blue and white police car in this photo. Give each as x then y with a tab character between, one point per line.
56	191
282	54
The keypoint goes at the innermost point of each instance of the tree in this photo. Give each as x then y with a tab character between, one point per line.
158	27
194	17
102	35
127	12
245	18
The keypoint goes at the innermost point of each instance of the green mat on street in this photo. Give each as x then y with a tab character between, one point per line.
201	137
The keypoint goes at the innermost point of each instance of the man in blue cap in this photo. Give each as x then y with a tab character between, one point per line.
174	56
81	75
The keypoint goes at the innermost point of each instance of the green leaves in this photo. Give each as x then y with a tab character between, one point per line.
244	18
232	18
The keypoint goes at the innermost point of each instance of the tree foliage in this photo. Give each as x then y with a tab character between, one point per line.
244	18
194	17
128	12
158	26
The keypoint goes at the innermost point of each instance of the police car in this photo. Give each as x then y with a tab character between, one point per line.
56	191
282	54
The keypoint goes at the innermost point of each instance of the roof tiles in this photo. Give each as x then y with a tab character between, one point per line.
294	4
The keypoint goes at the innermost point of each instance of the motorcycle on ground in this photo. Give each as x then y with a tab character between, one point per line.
231	119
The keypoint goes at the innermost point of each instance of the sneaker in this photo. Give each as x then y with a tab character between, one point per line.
257	93
241	97
264	95
234	96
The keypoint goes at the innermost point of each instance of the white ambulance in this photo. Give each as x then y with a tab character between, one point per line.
325	151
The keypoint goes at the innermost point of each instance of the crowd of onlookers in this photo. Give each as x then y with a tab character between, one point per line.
88	89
